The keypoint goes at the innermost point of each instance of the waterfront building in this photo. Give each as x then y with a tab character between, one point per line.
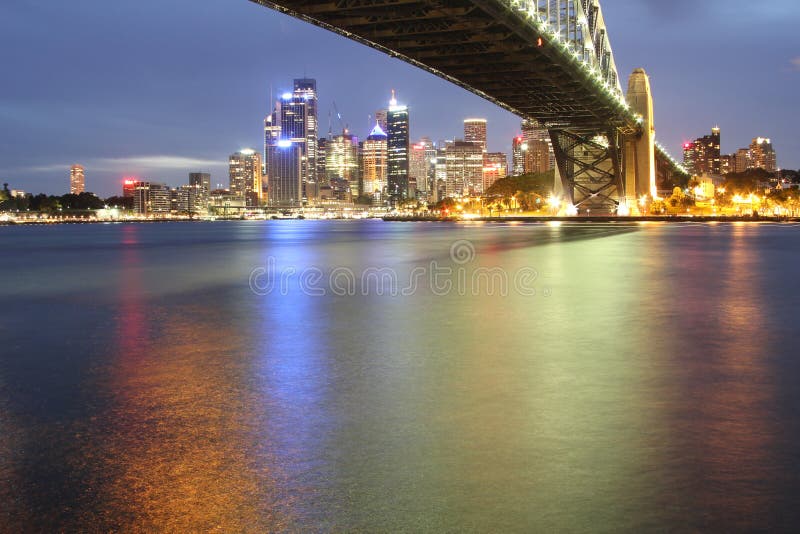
285	173
374	154
704	154
762	155
294	121
341	161
742	160
464	164
77	180
201	181
151	198
244	171
418	168
533	132
398	151
495	166
518	156
128	187
475	132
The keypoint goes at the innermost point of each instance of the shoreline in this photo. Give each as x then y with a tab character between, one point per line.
518	219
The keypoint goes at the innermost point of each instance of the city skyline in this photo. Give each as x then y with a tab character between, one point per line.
117	134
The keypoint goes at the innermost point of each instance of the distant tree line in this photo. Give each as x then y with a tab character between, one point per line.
50	203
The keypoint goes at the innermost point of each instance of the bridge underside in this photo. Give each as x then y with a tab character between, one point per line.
488	48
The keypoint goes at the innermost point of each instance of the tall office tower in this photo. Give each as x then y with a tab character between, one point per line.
341	161
495	166
201	182
398	145
305	89
464	168
294	121
128	188
762	155
244	171
518	155
381	118
374	162
77	180
322	146
430	160
536	156
418	166
706	153
440	172
533	131
742	160
475	132
285	171
272	134
689	158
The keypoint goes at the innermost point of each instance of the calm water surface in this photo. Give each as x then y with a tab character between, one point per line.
652	381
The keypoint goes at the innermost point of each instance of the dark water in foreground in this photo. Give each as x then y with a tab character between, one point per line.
650	383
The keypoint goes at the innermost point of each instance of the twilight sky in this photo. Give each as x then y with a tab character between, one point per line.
159	88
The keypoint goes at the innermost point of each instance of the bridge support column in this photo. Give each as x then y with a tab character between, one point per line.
590	166
640	149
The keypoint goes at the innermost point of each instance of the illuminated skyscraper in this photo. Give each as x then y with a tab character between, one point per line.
418	166
306	90
475	132
128	187
244	171
284	169
495	166
374	162
762	155
518	156
398	145
381	118
341	161
533	131
201	183
294	119
742	160
77	180
704	154
464	168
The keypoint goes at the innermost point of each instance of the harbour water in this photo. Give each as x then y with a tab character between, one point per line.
373	376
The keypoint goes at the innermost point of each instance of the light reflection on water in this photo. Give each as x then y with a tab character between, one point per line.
147	388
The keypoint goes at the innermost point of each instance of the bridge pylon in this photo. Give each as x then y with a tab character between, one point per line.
640	148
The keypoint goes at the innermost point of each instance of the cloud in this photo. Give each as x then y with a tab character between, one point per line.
134	164
796	63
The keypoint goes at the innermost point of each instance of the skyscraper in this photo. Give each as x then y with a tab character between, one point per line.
294	120
77	180
374	162
398	145
285	173
341	161
518	156
762	155
742	160
464	168
306	90
704	154
244	171
533	131
475	132
201	183
495	166
418	166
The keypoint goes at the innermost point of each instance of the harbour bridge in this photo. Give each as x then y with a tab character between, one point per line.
546	60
